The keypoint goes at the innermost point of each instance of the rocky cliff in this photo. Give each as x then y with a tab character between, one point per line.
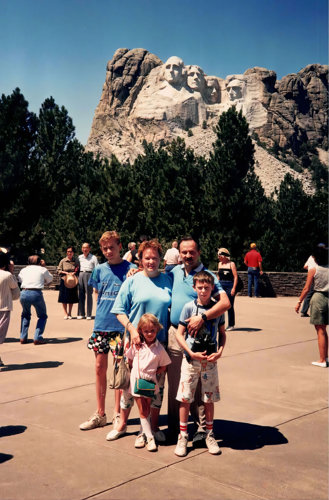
146	99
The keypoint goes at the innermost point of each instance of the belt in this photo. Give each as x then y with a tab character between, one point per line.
33	289
86	272
254	268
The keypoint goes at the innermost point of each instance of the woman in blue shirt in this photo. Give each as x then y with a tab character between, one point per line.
146	292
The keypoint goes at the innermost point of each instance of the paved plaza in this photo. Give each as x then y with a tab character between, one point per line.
271	424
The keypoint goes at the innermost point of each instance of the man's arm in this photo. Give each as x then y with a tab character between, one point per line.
194	323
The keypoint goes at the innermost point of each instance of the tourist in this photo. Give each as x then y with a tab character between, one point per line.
87	263
68	269
228	278
319	277
33	278
253	260
9	291
106	280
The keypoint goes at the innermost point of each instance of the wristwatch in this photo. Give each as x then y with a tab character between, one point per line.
204	317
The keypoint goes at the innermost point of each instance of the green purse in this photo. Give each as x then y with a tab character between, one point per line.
144	387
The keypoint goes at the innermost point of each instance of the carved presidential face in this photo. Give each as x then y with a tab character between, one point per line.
195	78
235	89
213	90
173	70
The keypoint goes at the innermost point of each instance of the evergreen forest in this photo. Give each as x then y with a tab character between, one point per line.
54	194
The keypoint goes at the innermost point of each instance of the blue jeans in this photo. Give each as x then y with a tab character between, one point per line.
33	298
227	287
253	277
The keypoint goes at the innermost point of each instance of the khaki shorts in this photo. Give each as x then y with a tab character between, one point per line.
189	377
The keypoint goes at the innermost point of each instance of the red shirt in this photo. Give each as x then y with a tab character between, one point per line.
253	258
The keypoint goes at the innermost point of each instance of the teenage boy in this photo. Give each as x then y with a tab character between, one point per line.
199	362
106	279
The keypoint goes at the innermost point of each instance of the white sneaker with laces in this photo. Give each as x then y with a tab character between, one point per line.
80	317
212	445
140	441
93	422
151	444
89	317
181	447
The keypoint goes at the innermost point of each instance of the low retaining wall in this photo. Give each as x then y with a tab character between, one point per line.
271	284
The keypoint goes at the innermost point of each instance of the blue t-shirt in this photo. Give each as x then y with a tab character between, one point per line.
141	294
194	309
183	290
107	280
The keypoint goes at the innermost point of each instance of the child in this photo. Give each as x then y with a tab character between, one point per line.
199	362
106	279
147	361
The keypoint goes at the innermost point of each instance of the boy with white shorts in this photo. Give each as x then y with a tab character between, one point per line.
199	362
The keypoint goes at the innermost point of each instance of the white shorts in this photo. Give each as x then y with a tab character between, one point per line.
189	377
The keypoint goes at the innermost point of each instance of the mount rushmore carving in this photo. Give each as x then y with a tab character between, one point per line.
144	98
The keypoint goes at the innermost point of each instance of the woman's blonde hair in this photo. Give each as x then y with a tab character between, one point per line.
146	319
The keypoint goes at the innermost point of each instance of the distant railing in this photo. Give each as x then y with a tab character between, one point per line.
271	284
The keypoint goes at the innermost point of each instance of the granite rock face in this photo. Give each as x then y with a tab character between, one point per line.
146	99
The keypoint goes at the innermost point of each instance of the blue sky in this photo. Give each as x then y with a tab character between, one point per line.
61	47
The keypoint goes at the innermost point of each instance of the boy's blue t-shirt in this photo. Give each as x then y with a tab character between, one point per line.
107	280
183	290
141	294
193	309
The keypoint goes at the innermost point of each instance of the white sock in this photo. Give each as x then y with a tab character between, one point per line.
146	426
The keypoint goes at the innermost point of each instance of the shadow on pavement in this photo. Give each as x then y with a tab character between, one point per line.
4	457
244	436
53	340
10	430
237	329
63	340
31	366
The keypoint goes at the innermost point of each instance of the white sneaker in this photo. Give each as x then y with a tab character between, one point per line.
93	422
89	317
318	363
69	317
140	441
151	444
229	328
181	447
66	317
212	445
80	317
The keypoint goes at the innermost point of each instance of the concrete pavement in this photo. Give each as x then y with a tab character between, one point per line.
272	421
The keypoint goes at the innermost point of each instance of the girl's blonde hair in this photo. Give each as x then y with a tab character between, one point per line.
146	319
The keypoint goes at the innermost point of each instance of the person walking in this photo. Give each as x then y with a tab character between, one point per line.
319	277
33	278
87	262
253	260
9	291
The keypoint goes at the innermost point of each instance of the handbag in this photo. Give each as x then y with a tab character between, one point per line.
144	387
119	372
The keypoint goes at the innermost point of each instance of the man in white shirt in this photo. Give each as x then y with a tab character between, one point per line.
33	278
171	257
88	262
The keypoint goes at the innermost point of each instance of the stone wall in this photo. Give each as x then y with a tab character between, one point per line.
271	284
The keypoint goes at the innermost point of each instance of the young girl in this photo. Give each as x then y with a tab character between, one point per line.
147	361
